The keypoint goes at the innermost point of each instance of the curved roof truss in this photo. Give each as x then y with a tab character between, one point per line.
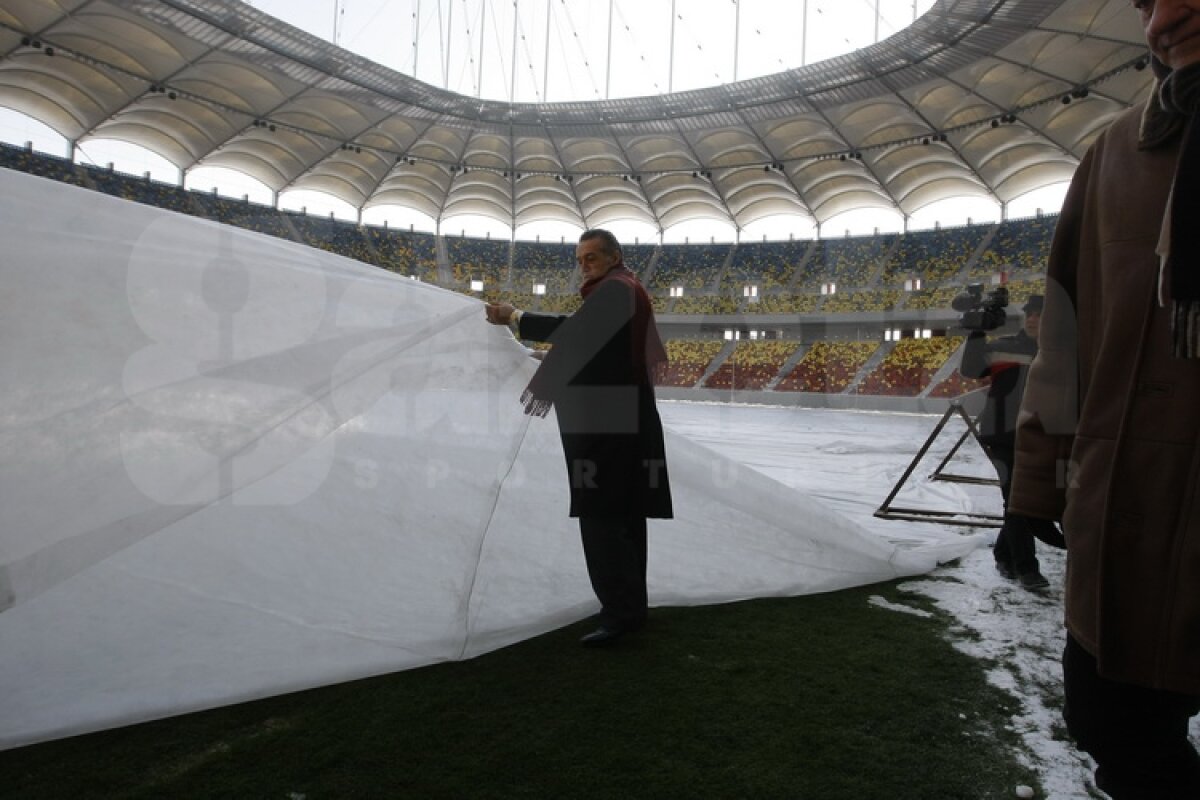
992	98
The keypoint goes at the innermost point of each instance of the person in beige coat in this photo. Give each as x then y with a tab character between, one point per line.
1108	436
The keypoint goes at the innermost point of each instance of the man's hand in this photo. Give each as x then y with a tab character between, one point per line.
498	313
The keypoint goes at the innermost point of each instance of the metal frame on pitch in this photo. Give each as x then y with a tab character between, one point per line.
888	511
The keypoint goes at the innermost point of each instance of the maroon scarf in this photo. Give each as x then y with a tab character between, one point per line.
556	372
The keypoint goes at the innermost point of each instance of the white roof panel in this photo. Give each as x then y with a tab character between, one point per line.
189	79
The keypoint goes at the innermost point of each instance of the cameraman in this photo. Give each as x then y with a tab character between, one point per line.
1006	362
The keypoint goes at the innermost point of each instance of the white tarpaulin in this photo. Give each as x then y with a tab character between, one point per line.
235	466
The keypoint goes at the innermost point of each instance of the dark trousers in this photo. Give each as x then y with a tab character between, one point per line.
1014	547
1138	736
1014	543
615	550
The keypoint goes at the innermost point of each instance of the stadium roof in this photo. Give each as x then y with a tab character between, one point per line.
986	98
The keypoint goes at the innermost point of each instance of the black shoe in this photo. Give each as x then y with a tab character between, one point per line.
602	636
1033	581
1005	570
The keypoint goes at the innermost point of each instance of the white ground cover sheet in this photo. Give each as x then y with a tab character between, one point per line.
235	467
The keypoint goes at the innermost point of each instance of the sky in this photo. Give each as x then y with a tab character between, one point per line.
562	49
557	51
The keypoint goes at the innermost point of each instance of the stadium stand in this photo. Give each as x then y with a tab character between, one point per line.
874	300
638	257
705	304
692	266
552	265
403	252
847	262
561	304
785	303
932	298
956	385
909	367
688	360
518	299
752	365
1017	247
767	265
479	259
935	256
827	367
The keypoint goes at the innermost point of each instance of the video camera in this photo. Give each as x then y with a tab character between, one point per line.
981	312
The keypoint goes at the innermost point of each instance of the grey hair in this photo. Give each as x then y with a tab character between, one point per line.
611	245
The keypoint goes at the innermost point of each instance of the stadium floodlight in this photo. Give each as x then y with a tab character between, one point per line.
476	286
539	289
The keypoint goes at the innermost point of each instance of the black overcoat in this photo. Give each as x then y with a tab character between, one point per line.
1006	361
611	433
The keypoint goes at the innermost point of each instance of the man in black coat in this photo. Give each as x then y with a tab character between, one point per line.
1006	362
599	377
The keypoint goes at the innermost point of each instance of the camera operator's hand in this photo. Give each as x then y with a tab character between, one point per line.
499	313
